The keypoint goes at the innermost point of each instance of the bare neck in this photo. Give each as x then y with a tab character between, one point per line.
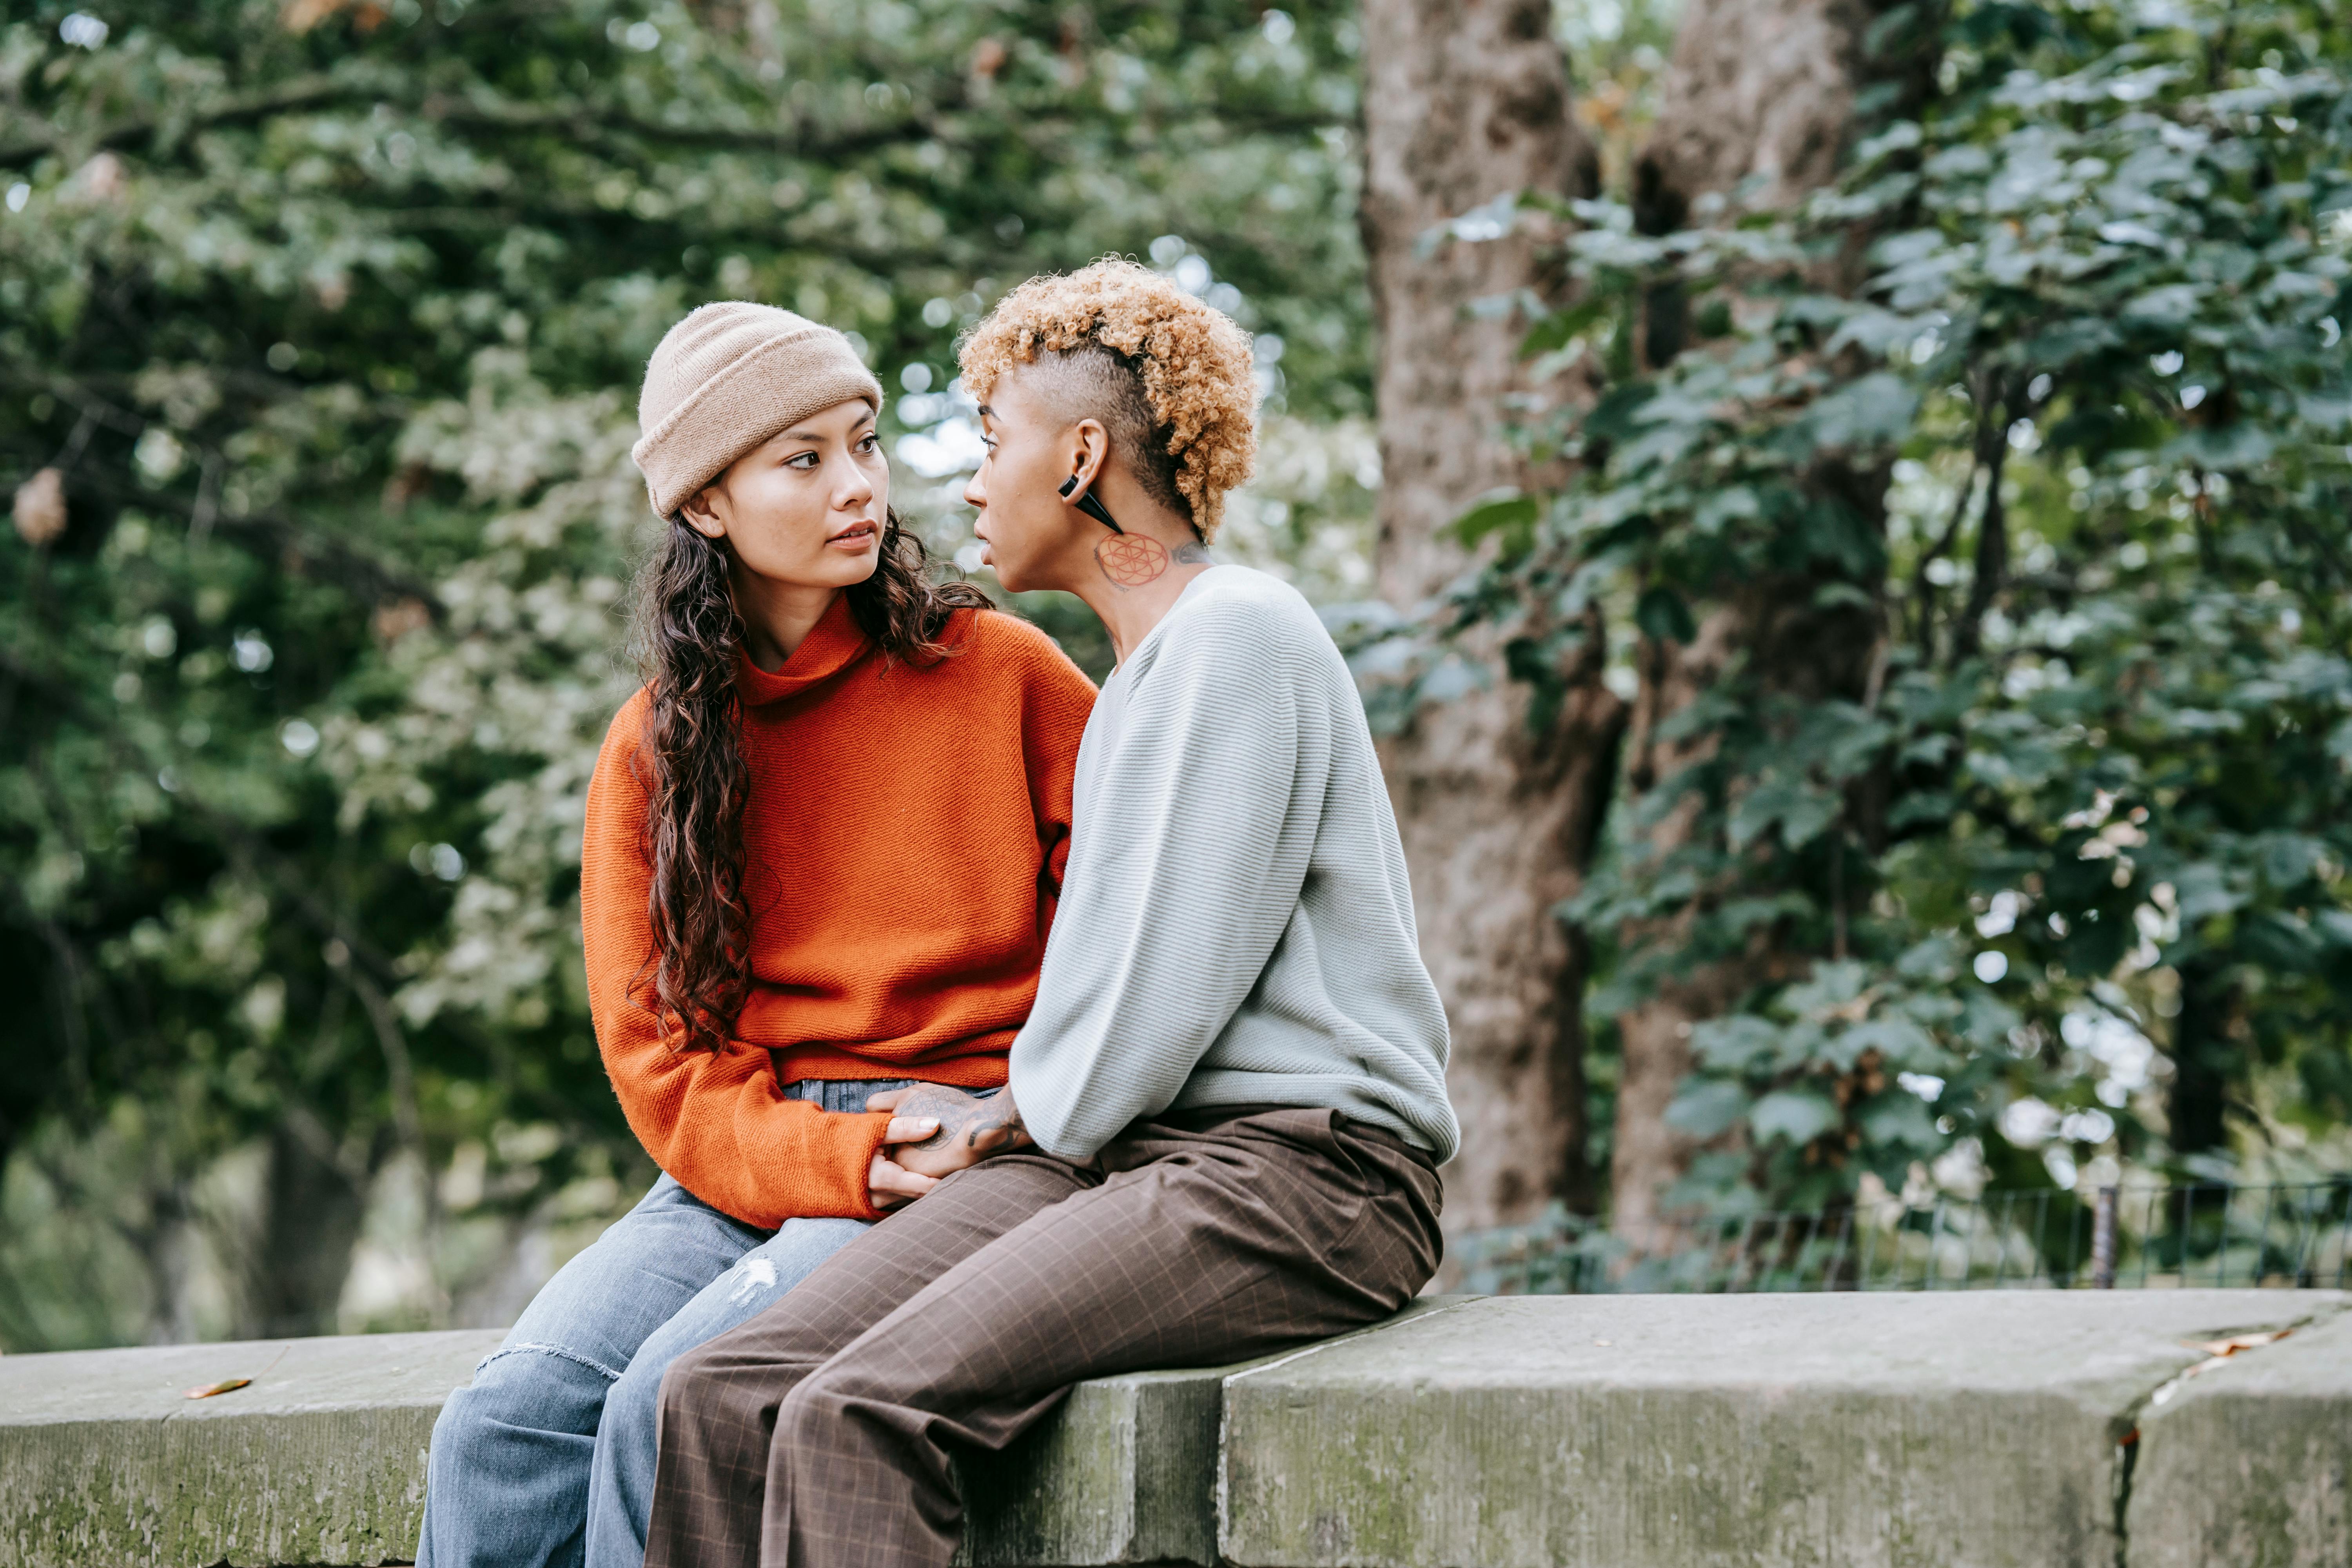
1132	579
1130	613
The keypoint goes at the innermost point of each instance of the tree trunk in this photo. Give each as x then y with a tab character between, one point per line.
2203	1059
313	1217
1760	89
1759	107
1464	100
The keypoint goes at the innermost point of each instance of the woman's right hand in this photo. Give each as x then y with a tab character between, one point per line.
889	1184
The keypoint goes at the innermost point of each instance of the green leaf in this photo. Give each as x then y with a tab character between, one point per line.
1734	503
1898	1119
2239	445
1733	1043
1554	330
1663	617
1798	1115
2172	307
1801	811
1832	984
1707	1107
1874	409
1901	1042
1511	514
2203	890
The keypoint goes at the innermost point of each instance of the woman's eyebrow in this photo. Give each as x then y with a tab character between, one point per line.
816	438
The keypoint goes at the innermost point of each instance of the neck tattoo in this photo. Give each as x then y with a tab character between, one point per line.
1132	560
1135	560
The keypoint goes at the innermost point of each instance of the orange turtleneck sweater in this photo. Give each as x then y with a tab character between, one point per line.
903	842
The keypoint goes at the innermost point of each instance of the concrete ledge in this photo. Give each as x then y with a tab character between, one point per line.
1681	1431
1121	1474
104	1463
2249	1461
1125	1472
2001	1429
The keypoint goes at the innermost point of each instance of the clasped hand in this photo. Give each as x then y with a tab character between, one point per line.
934	1133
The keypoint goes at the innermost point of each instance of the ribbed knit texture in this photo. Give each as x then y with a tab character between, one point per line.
726	379
905	841
1236	927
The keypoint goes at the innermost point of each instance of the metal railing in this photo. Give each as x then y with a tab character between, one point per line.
2153	1237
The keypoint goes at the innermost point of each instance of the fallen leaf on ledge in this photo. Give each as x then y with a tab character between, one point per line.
2216	1352
225	1385
2229	1347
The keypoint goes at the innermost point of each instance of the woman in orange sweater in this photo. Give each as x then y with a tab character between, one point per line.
822	851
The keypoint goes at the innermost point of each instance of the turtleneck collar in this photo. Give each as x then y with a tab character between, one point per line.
831	647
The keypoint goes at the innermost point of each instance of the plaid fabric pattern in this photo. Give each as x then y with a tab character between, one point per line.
819	1432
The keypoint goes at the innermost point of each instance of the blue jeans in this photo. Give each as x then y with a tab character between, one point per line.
547	1457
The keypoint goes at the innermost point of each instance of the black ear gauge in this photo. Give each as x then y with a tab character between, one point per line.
1088	503
1099	512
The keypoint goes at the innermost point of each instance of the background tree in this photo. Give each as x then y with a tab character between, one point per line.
1498	799
1761	105
1994	900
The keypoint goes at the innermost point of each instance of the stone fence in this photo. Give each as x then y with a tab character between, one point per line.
2008	1429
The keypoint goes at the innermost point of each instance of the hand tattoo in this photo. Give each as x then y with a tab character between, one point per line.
964	1119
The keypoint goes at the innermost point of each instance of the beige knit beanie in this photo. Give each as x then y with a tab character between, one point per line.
726	378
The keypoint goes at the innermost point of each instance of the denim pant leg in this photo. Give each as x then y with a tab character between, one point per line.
621	1490
506	1478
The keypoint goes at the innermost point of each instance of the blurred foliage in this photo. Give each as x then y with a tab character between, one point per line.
1617	52
320	326
2045	408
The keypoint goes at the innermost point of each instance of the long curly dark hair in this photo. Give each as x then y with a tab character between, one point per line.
684	635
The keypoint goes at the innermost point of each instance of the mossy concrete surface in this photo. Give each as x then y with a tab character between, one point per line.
1121	1474
1126	1472
2248	1462
104	1463
1977	1430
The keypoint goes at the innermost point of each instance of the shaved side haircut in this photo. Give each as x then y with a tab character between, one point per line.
1099	383
1169	376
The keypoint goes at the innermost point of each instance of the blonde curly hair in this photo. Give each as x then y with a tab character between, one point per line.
1114	321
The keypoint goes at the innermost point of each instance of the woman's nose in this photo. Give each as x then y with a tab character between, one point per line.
853	488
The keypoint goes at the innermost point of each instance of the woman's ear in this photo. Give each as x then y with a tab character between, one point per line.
1089	448
701	515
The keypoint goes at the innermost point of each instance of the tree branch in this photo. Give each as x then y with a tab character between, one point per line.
1992	564
578	120
364	575
299	92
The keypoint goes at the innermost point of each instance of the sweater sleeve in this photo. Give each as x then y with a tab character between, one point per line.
718	1121
1189	869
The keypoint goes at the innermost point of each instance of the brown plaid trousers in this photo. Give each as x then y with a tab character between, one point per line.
819	1432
